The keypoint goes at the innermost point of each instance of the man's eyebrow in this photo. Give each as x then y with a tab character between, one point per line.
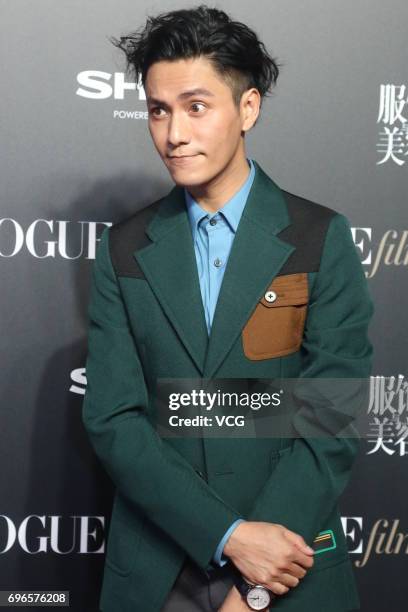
198	91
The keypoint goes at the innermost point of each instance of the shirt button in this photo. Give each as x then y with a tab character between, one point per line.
213	221
217	262
270	296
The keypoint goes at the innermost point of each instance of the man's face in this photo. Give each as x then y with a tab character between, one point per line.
194	124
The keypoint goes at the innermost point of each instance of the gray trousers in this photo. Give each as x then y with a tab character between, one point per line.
193	591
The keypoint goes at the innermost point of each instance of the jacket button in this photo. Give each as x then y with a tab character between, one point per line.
270	296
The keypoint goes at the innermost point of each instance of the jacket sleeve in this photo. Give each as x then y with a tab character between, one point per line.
304	487
145	468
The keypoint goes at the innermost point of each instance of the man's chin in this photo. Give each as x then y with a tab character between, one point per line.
185	177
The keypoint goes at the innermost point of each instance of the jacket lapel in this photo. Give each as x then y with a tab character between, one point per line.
256	256
170	267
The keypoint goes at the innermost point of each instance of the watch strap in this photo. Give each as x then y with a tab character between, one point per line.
239	581
243	585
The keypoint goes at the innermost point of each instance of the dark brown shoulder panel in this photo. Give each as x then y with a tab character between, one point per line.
310	222
126	237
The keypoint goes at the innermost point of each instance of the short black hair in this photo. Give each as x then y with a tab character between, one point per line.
233	48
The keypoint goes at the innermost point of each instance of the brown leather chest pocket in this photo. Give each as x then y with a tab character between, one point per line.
276	326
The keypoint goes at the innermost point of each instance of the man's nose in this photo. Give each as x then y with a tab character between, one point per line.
179	131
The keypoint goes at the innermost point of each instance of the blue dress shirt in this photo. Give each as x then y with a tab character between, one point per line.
213	235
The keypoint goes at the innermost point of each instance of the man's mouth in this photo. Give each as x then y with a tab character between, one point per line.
182	156
182	159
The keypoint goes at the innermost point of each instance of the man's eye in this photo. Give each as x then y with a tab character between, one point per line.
153	111
196	105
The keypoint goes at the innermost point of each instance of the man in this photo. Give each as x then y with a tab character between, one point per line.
225	277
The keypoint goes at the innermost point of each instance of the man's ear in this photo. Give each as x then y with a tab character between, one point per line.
250	107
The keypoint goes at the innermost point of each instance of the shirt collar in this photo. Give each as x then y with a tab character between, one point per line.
232	209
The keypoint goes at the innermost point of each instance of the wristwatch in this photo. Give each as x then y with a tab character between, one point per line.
256	596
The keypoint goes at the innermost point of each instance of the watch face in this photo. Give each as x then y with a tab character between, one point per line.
258	598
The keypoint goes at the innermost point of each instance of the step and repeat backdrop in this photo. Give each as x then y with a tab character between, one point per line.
77	157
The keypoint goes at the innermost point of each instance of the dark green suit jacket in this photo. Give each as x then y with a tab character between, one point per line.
177	497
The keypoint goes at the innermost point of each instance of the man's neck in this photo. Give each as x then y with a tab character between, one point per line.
212	196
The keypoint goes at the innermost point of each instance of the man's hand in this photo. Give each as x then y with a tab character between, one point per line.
234	602
269	554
